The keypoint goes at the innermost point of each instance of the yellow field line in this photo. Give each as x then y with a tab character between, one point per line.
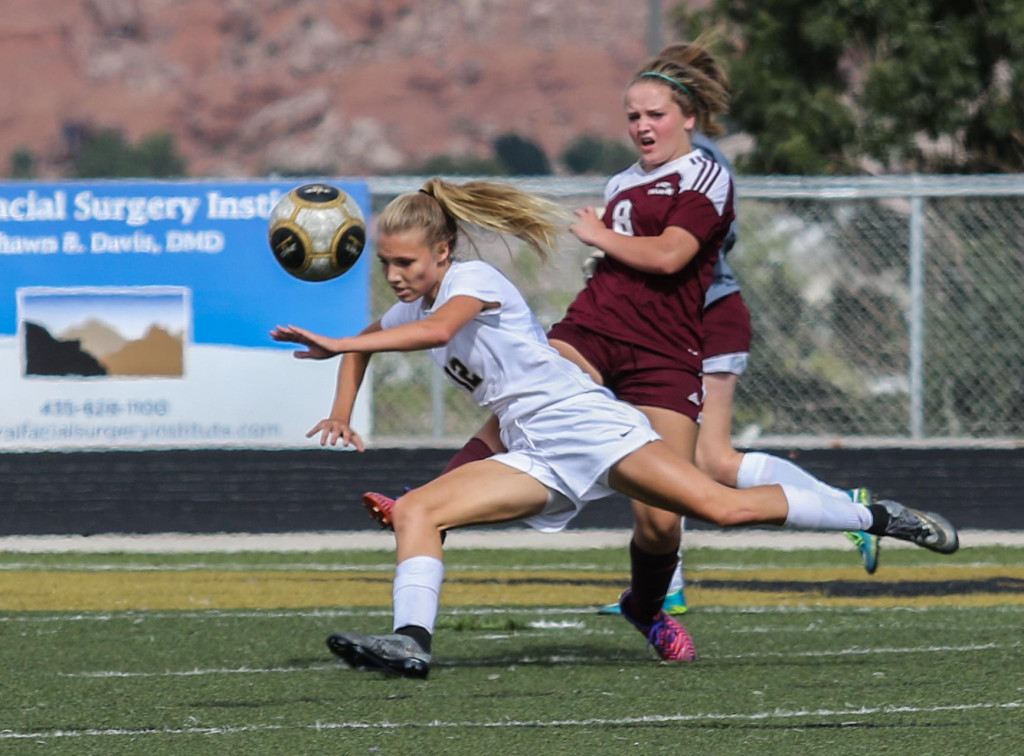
60	590
937	572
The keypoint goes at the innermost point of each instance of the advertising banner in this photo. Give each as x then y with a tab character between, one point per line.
136	314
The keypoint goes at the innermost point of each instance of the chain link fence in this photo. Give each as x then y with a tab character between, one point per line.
886	311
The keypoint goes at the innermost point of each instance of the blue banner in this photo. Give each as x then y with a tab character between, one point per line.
210	238
136	314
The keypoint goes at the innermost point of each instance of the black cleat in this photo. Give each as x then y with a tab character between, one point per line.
394	653
926	529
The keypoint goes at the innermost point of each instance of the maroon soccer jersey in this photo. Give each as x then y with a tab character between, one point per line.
660	312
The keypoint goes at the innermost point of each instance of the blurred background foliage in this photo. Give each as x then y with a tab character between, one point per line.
840	87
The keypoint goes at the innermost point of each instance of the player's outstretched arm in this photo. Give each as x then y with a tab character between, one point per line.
318	347
351	372
332	431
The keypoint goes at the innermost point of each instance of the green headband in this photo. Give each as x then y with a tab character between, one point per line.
675	82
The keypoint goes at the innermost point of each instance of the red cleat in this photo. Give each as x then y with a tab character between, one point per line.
380	507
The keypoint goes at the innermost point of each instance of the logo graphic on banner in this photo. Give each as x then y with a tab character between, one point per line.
98	332
136	315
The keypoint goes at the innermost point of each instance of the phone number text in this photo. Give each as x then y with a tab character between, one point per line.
105	408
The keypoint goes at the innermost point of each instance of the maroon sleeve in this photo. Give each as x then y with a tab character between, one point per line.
694	212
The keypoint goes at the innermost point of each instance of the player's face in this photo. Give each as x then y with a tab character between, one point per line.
411	268
657	126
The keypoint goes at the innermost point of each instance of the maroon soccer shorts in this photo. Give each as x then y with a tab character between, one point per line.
635	374
727	335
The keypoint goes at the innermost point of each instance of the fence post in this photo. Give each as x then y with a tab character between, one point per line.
437	382
916	316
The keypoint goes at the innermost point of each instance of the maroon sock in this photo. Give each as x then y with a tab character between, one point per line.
474	449
651	577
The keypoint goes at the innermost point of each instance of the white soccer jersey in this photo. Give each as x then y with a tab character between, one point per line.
559	426
502	357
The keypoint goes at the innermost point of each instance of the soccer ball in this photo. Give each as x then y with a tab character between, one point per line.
317	232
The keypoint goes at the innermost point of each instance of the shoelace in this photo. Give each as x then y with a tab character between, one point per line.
916	529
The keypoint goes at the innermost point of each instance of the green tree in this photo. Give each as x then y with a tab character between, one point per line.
156	157
521	157
918	85
107	154
591	154
23	164
104	154
459	165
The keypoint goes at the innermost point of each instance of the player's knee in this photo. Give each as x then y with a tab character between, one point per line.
737	516
657	540
718	464
707	463
412	512
407	513
733	511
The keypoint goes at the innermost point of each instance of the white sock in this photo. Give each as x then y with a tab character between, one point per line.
677	579
677	576
417	591
809	510
759	469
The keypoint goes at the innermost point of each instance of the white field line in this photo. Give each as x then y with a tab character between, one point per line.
860	712
292	567
116	674
327	567
570	540
562	659
140	615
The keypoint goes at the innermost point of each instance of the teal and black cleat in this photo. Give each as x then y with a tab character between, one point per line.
866	543
927	529
675	604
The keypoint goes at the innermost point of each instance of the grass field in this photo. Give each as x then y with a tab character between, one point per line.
799	652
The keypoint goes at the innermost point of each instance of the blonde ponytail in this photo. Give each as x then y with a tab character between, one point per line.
440	208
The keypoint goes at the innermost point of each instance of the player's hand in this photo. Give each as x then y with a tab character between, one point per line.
332	431
590	264
588	226
317	347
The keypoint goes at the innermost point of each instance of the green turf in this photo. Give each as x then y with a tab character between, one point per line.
604	559
547	680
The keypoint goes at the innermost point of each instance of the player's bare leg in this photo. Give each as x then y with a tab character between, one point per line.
476	493
715	454
656	475
655	551
656	532
662	478
717	457
485	443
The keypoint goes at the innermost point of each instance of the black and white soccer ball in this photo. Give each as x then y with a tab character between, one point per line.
317	232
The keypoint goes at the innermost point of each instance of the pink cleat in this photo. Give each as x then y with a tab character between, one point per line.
666	634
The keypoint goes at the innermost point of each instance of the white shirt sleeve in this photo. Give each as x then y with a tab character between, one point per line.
400	313
477	280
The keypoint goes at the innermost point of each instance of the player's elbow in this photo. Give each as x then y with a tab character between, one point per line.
673	262
666	268
667	262
436	335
